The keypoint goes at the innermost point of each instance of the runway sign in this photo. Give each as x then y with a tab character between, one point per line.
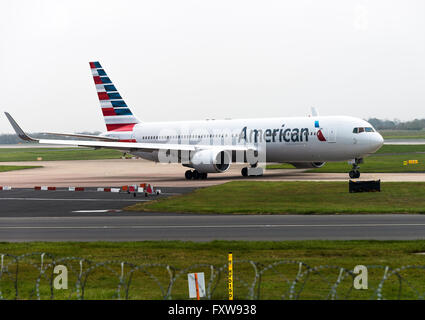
196	283
406	162
365	186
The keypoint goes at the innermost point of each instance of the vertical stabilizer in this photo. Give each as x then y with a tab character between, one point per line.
117	115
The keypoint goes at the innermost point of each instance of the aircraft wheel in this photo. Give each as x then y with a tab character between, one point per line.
196	175
244	172
354	174
188	175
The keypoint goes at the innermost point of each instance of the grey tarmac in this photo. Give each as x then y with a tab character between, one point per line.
28	215
165	226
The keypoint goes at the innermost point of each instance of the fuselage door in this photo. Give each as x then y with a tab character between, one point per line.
331	135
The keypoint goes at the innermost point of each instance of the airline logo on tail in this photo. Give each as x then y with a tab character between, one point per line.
117	115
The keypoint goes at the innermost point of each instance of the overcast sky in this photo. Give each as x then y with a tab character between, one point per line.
181	60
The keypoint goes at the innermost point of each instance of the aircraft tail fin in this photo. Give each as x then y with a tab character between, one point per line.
314	112
116	113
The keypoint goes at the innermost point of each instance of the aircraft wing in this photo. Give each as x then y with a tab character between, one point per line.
87	136
146	147
124	146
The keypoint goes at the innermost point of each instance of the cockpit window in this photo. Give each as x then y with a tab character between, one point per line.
363	129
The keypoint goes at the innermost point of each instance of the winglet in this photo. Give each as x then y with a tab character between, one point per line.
21	134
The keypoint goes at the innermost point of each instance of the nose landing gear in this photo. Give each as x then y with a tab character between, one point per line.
355	173
195	175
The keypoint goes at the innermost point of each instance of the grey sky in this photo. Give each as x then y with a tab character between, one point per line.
181	60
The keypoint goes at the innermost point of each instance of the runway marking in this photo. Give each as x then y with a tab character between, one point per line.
96	211
214	226
54	199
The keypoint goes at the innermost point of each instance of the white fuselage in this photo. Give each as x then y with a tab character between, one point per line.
294	139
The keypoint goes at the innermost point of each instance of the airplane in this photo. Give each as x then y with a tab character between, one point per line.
212	146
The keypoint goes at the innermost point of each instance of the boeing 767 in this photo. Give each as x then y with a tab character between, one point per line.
211	146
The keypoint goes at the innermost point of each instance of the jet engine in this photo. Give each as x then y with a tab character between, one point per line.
210	161
306	165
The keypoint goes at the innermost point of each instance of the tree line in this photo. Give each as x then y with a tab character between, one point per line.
379	124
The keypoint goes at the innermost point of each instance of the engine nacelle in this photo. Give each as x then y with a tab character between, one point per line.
210	161
306	165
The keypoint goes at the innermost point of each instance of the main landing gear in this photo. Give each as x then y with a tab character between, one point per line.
253	170
195	175
355	173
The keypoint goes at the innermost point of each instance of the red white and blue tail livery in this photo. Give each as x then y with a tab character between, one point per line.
117	115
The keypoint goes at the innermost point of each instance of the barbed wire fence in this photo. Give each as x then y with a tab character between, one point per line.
31	276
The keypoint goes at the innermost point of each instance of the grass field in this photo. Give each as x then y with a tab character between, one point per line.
299	197
47	154
403	134
102	283
389	158
11	168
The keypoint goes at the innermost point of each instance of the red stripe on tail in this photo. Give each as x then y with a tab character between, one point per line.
97	80
120	126
108	112
103	96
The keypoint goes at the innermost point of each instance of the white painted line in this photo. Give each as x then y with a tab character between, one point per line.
96	211
50	199
204	226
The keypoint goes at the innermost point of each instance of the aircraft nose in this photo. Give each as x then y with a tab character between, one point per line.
377	141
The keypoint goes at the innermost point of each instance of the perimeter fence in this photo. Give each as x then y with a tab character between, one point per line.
32	276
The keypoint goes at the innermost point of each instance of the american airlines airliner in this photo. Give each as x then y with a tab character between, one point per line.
211	146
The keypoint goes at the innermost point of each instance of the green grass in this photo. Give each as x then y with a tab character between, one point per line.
378	164
102	283
403	134
300	197
406	148
48	154
11	168
389	158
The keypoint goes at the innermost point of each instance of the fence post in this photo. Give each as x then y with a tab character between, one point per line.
230	276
